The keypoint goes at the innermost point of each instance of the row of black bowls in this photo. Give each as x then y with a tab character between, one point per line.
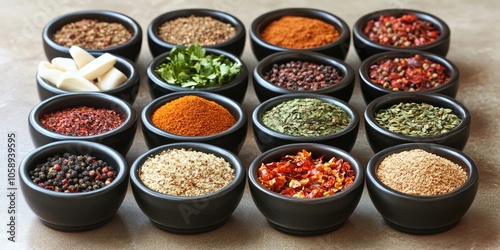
235	45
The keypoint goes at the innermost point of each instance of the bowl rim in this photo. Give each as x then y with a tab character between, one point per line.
432	98
222	16
272	102
132	78
450	67
71	144
34	115
228	156
127	21
158	81
309	146
264	19
344	68
436	21
225	102
441	150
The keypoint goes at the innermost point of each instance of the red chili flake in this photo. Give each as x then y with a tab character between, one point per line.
404	31
408	74
82	121
302	176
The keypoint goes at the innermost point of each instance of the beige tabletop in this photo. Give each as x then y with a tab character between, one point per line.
474	39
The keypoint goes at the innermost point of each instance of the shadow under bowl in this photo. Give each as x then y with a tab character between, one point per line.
120	138
268	138
189	214
233	45
380	138
337	49
130	49
306	216
415	214
265	90
74	211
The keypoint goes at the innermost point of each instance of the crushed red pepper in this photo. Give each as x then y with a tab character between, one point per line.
82	121
408	74
405	31
303	176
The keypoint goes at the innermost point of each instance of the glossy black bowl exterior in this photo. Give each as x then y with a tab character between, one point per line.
231	139
422	214
337	49
189	214
127	91
306	216
234	45
130	50
266	90
268	138
234	89
371	90
119	139
74	211
366	48
380	138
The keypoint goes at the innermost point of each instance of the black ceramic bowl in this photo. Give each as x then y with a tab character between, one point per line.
74	211
337	49
371	90
268	138
119	139
380	138
306	216
234	45
422	214
130	50
366	48
127	91
231	139
234	89
266	90
189	214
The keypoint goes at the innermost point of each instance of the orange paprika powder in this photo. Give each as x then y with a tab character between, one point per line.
298	32
192	116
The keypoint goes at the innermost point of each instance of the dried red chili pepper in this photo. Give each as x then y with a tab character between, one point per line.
408	74
303	176
404	31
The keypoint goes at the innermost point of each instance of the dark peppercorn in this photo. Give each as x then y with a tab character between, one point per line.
60	175
299	75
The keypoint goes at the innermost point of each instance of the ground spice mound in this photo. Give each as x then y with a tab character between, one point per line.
419	172
193	116
299	32
186	172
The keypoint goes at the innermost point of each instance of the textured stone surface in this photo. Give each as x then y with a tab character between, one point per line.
474	49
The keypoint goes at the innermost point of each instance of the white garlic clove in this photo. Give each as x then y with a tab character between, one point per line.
81	56
48	72
111	79
64	64
72	81
98	66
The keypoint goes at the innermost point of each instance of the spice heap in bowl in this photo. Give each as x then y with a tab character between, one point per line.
215	178
294	118
407	71
328	188
97	31
182	117
209	28
422	188
85	182
299	29
397	29
309	72
93	117
196	68
416	117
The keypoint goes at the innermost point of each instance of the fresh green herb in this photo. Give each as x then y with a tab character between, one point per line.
192	67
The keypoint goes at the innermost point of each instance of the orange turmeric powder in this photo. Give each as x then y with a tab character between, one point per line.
297	32
192	116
